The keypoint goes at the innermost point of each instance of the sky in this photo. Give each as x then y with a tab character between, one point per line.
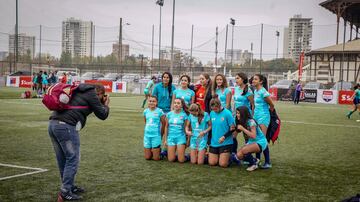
205	15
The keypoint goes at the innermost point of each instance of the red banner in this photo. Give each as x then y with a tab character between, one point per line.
273	93
25	82
345	97
106	84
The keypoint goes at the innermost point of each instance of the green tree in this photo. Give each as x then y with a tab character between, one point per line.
65	58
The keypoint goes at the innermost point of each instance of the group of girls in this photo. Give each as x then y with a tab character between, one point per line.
201	117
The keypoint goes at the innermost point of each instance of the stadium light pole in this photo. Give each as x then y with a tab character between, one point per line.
172	39
277	34
232	22
161	4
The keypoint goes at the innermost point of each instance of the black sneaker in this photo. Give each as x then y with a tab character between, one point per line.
69	196
77	190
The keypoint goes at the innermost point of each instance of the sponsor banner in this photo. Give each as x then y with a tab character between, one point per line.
285	94
310	95
25	82
12	81
327	96
345	97
107	84
273	93
119	87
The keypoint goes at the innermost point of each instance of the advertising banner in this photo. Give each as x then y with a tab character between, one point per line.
273	93
327	96
345	97
119	87
107	84
25	82
310	95
12	81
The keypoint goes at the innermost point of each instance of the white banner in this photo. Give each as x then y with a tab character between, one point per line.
327	96
119	87
12	81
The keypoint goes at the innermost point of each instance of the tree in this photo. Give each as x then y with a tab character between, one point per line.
65	58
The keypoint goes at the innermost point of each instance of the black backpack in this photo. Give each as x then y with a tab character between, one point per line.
273	130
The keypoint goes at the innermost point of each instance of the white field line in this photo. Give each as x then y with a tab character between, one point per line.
321	124
36	170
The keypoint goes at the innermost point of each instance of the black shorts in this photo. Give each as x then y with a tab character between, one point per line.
221	149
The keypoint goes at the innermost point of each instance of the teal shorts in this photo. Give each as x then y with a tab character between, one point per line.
179	140
263	119
262	143
146	91
198	143
152	142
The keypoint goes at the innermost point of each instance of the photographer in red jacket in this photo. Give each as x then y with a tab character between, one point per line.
64	127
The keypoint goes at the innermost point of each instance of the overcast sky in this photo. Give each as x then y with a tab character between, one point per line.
205	15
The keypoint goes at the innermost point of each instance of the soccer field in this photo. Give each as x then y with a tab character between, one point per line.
315	159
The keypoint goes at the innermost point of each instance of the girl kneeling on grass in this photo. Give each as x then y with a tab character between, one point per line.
174	133
257	141
197	128
154	119
222	124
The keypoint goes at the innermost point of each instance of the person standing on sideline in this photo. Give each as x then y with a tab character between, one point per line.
220	87
148	89
356	100
64	127
298	90
263	103
64	78
184	92
154	121
34	81
164	91
243	96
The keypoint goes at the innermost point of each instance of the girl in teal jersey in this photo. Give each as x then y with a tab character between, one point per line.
154	119
220	87
174	133
356	100
263	104
222	126
148	89
257	141
197	128
243	96
163	91
184	92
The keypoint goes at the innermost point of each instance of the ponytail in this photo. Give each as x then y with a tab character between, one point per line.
245	79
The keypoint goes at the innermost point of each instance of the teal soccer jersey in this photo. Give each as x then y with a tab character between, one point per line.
196	127
260	137
153	122
176	123
222	95
242	100
186	95
162	94
221	123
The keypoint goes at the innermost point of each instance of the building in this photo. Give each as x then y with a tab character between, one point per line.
297	37
339	62
3	55
239	57
26	45
78	37
125	50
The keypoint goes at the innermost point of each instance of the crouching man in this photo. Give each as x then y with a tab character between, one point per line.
64	127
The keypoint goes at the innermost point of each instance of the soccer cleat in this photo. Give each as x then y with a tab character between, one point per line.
234	159
266	166
163	154
348	115
68	196
77	190
252	168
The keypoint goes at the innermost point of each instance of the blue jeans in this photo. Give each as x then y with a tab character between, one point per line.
66	142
